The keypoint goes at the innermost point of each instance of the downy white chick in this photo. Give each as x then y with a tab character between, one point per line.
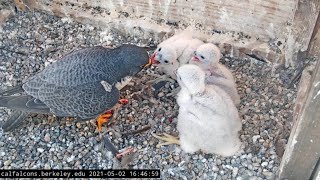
207	57
208	119
174	52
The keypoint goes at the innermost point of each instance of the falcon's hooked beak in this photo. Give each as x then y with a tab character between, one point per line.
149	63
195	58
152	59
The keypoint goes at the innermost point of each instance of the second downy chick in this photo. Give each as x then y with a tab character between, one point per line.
207	57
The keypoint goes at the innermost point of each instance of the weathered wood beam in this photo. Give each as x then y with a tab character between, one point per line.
314	45
303	148
261	24
276	31
300	32
316	172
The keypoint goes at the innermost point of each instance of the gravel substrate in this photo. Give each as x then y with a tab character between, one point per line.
28	41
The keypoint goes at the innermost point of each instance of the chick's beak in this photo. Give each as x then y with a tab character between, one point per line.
153	60
195	58
152	57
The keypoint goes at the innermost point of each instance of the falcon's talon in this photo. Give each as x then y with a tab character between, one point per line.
169	139
103	118
107	116
125	152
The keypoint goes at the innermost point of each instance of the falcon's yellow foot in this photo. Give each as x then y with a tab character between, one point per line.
125	152
103	118
167	138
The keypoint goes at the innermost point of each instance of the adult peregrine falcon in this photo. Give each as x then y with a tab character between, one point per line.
82	84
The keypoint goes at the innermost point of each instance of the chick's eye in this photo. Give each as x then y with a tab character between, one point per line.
195	52
202	57
159	49
166	61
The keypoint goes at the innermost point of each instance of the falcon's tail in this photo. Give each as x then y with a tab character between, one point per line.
24	103
15	120
11	91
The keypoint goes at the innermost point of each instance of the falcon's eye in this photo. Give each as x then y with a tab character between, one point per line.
159	49
166	61
202	57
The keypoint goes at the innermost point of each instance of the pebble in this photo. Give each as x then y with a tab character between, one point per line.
7	163
221	172
27	163
215	168
145	157
47	137
218	162
71	158
255	137
40	150
47	166
267	173
170	171
264	164
235	171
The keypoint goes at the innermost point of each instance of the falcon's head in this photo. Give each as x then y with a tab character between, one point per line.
206	55
191	77
133	58
164	56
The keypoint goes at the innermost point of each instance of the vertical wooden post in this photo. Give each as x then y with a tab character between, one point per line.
314	45
303	24
316	172
303	149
